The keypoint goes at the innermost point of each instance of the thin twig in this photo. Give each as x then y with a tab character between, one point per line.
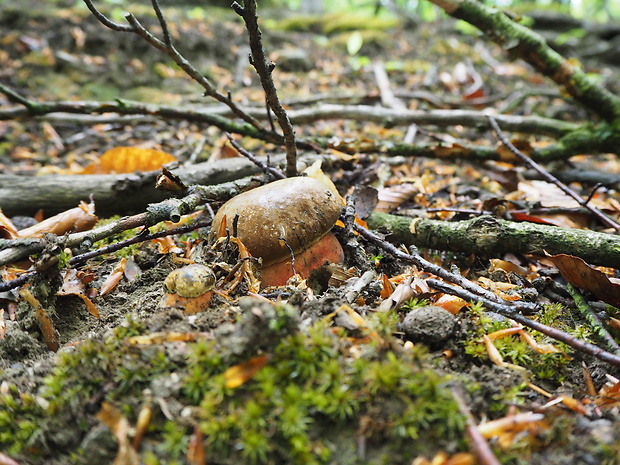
470	291
264	68
163	211
593	320
167	47
457	279
549	177
266	169
481	447
81	258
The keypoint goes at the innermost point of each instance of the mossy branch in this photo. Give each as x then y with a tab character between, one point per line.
531	47
490	236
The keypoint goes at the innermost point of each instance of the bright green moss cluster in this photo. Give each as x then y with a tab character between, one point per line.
513	349
322	396
18	419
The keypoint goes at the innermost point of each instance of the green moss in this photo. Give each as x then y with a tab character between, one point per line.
18	419
311	385
414	303
307	405
513	349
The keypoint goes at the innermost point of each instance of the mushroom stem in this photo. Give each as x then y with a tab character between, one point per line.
326	250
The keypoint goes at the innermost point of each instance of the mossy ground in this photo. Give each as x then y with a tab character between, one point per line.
326	394
322	397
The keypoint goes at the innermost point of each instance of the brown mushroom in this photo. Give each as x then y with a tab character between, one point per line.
189	288
294	214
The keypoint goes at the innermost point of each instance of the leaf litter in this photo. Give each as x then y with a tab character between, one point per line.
207	372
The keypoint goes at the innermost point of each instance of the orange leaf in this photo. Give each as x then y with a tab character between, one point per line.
43	320
114	278
118	424
388	287
7	229
451	303
81	218
581	275
128	160
196	449
237	375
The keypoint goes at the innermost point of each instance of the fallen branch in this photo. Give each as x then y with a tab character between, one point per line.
550	178
117	193
490	236
554	333
470	291
216	116
520	41
168	210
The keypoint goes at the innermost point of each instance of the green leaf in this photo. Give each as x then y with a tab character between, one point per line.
355	42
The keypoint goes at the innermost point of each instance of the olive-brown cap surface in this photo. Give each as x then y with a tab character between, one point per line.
299	210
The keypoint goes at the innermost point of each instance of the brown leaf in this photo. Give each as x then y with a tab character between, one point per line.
196	449
118	424
128	160
238	374
114	278
390	198
7	228
451	303
81	218
73	284
581	275
43	320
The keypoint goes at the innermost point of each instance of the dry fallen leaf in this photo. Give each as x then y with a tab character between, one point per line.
43	320
7	228
581	275
196	449
80	218
74	284
129	160
237	375
114	278
118	424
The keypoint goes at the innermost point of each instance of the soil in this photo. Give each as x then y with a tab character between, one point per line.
82	403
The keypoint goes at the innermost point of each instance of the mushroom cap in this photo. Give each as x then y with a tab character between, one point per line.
300	210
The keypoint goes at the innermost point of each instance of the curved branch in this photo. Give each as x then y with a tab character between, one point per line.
167	47
264	68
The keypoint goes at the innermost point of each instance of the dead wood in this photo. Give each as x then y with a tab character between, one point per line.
489	236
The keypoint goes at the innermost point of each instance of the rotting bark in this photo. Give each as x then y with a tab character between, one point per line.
490	236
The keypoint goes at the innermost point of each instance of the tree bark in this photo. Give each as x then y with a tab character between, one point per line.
490	236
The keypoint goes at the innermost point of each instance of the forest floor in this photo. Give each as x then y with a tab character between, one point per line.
321	378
